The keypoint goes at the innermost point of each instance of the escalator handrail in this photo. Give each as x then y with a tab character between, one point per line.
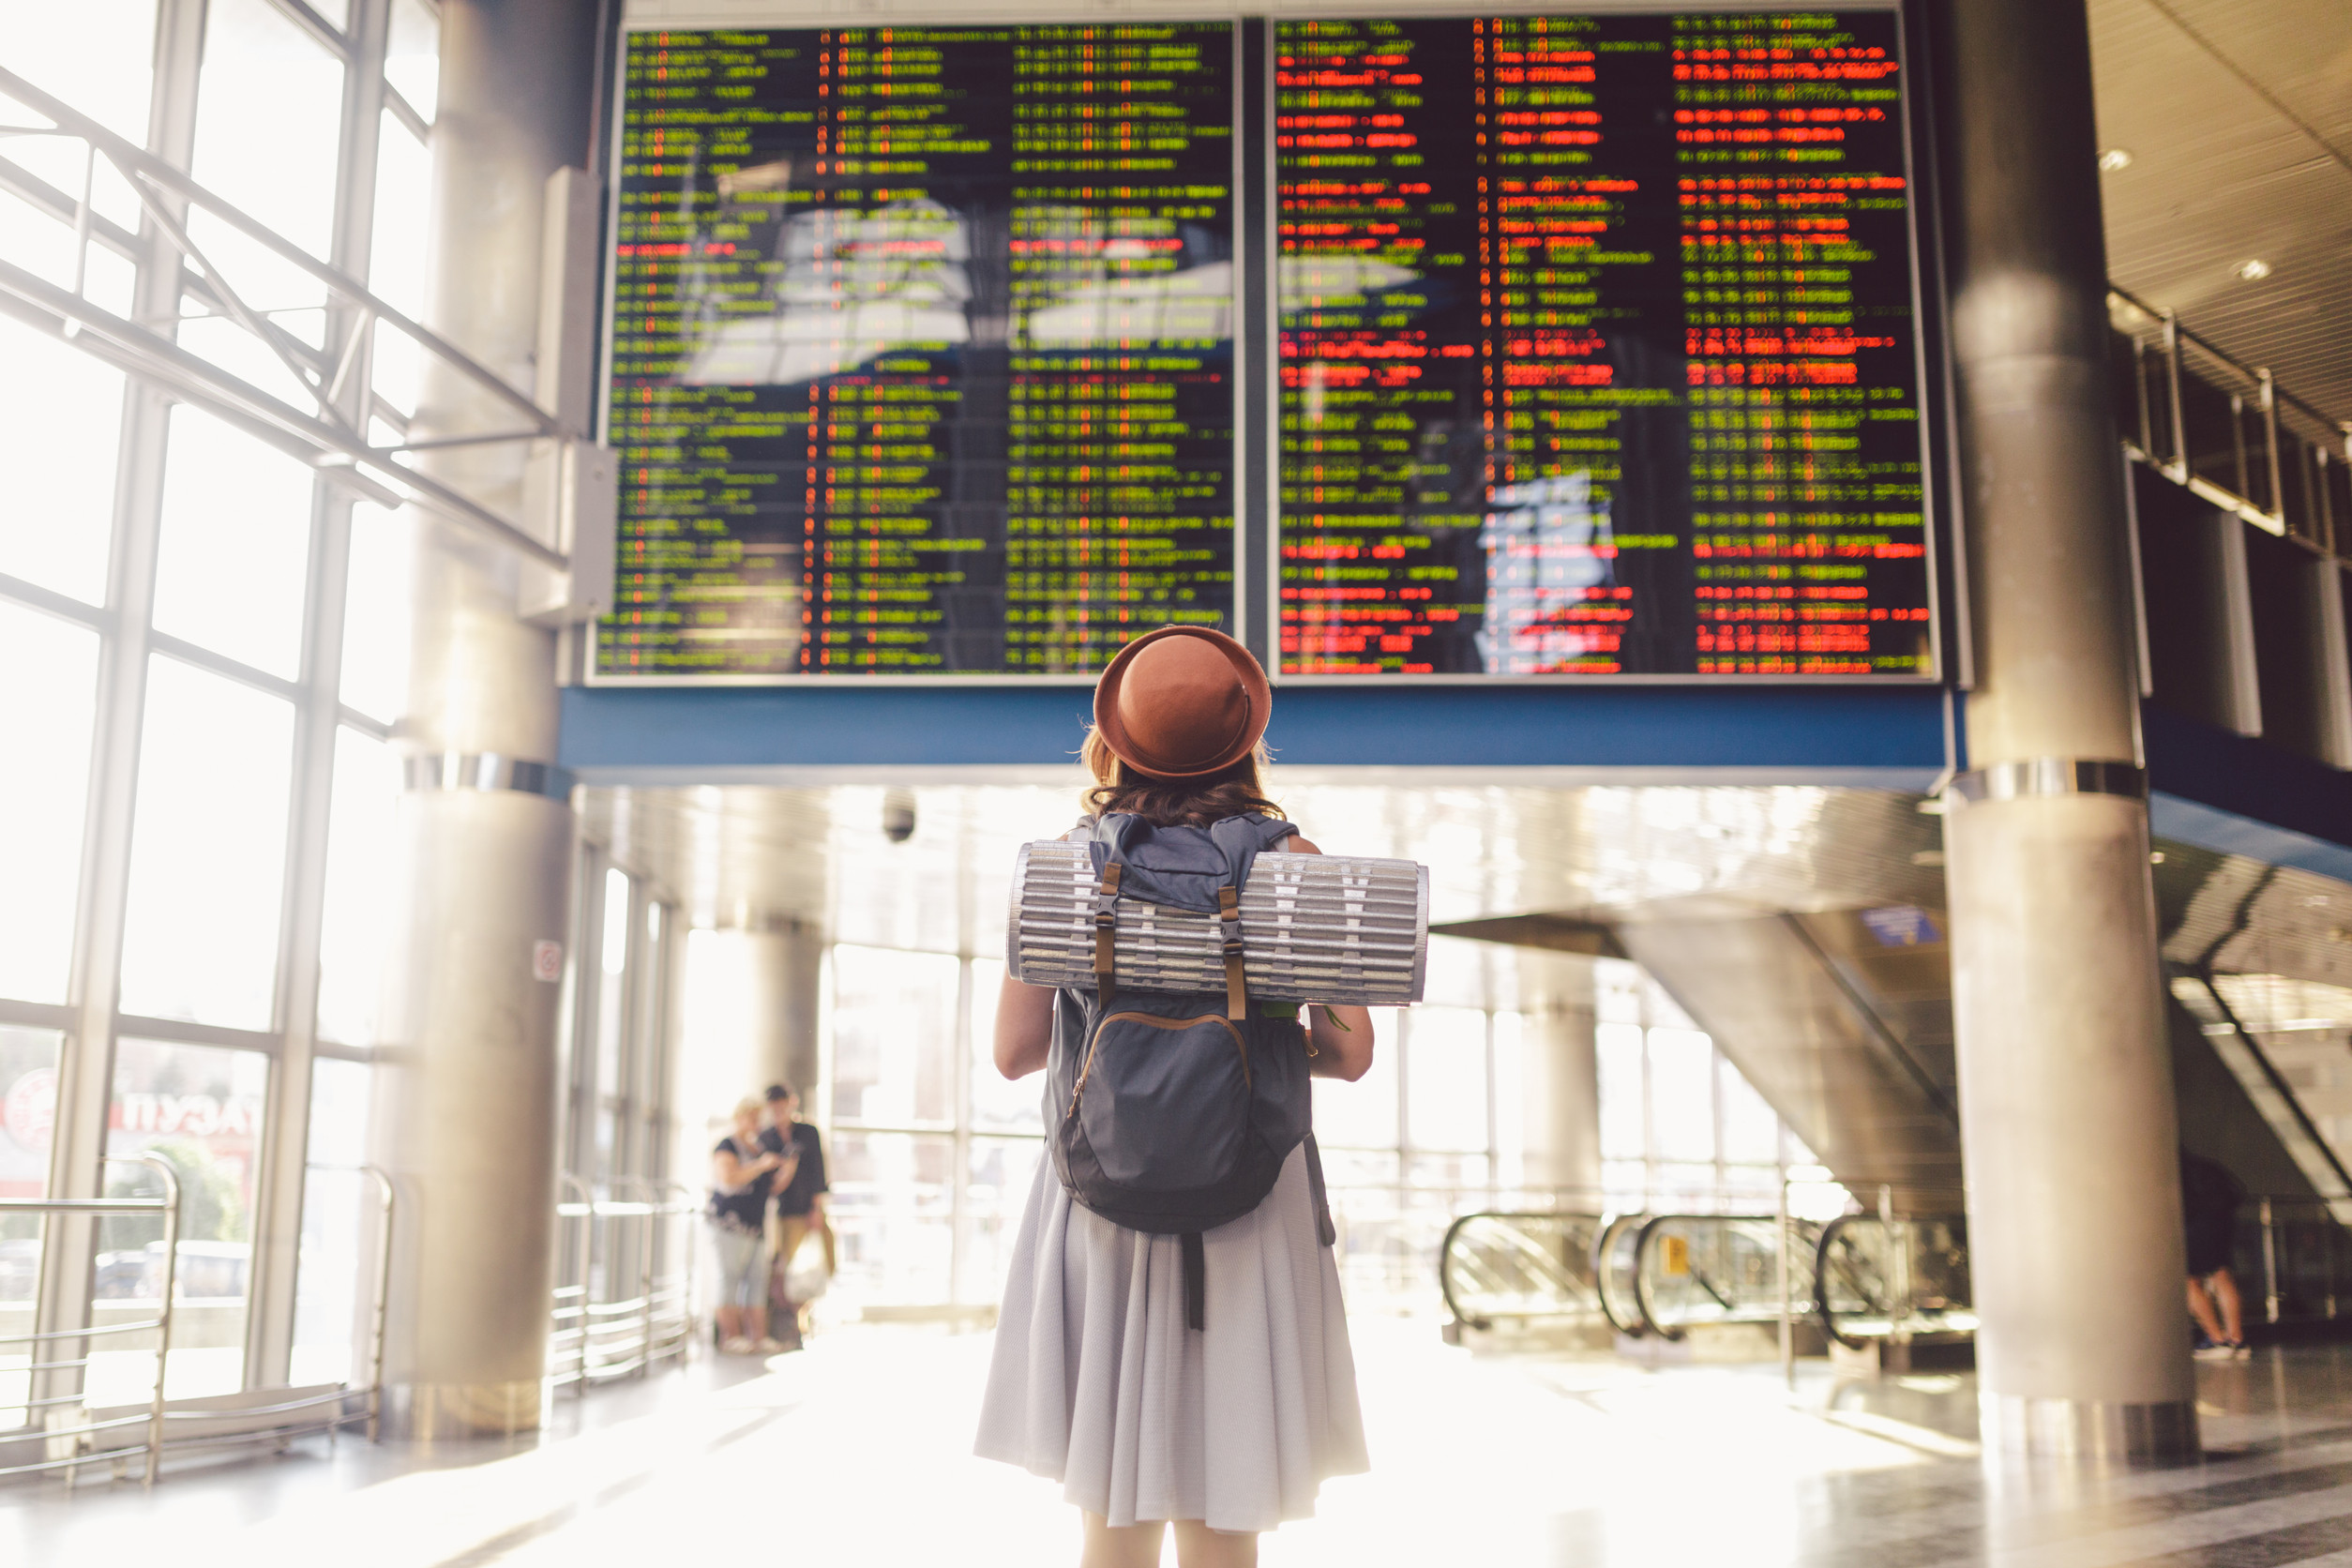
1601	1239
1445	1256
1821	1310
1830	1233
1641	1275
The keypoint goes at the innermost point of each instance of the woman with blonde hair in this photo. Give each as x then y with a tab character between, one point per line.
740	1173
1101	1378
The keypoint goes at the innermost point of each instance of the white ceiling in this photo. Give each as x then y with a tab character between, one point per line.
2237	117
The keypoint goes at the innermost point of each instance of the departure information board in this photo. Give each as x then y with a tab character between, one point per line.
921	348
1589	348
1597	347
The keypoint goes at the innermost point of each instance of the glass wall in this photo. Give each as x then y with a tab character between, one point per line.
201	760
897	1029
199	1109
1680	1127
933	1162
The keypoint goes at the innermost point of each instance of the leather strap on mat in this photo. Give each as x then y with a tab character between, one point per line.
1236	980
1106	928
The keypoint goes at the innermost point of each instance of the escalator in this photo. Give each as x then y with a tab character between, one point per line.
1841	1019
1860	1277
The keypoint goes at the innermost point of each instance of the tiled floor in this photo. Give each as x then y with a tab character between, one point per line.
857	1453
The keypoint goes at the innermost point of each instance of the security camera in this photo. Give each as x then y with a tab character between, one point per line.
898	816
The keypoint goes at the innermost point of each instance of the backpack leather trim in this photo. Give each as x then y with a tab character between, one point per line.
1155	1022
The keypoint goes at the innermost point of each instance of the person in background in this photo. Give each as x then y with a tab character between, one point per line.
741	1172
2209	1197
800	1204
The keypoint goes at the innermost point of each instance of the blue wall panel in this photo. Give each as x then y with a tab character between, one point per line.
2213	788
1836	734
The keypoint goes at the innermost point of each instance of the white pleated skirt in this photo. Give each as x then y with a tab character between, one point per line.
1097	1383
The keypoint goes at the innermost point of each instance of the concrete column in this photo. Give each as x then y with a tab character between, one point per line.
785	969
466	1114
2067	1114
1561	1117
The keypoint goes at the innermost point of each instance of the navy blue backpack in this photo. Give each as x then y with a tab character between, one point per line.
1174	1113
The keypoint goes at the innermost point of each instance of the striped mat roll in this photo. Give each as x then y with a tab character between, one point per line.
1315	928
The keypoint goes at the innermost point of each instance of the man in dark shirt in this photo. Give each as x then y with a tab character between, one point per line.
800	1203
2209	1197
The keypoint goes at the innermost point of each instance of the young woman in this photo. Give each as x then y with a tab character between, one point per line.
1098	1382
740	1172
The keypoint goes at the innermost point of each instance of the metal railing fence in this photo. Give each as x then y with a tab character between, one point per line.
2228	431
68	1350
645	1244
165	1425
2293	1261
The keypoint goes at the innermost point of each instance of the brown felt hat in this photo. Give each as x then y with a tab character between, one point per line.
1182	702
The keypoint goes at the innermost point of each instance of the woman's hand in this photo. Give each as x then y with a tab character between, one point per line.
1341	1036
1342	1039
1024	1028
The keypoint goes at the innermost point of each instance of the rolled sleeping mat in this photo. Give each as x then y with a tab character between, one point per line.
1315	928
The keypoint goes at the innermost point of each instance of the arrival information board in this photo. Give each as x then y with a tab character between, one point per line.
922	348
1597	347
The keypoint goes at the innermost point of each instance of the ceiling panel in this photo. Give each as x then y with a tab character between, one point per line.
2237	117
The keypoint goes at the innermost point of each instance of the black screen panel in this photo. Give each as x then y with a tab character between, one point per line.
1598	349
922	348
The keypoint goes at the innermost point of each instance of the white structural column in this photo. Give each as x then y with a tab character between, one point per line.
2066	1115
466	1110
1561	1117
784	966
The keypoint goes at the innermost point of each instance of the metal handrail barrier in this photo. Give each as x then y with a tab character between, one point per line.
168	1208
569	1320
2302	1258
624	1335
673	1332
379	1312
2259	469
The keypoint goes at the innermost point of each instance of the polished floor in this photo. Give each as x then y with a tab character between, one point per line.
857	1453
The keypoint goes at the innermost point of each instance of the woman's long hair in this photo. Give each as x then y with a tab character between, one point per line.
1234	792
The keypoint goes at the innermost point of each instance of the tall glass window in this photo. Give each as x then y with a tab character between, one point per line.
61	414
208	852
893	1029
894	1037
237	545
362	887
200	1109
343	1213
268	110
28	1104
112	486
1679	1125
44	781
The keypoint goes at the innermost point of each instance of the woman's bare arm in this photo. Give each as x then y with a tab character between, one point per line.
1342	1036
1024	1028
730	1174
